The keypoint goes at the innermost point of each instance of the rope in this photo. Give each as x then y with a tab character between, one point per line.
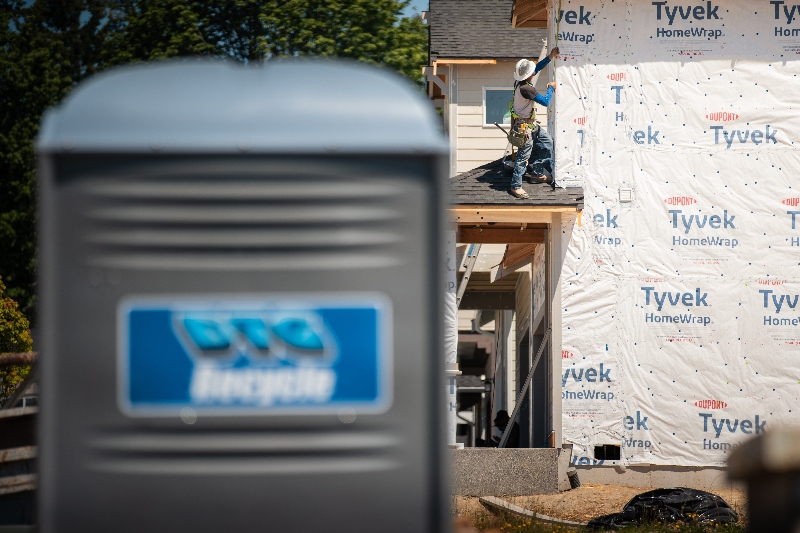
558	22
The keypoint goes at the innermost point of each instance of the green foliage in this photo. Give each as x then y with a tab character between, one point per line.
48	46
366	30
15	337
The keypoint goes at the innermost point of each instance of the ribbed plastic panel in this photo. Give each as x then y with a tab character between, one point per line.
242	223
255	452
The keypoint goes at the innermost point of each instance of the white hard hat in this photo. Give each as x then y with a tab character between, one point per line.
524	69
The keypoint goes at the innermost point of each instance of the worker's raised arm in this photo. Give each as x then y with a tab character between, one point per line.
546	61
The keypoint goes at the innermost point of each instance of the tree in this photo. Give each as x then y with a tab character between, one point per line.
48	46
366	30
15	337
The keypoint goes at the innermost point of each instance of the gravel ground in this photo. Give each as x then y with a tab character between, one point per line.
584	503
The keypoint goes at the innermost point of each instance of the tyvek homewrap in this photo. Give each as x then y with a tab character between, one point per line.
681	308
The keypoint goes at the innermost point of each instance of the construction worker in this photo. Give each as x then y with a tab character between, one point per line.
523	116
501	420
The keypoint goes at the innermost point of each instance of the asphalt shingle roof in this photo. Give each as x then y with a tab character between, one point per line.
479	29
487	185
468	383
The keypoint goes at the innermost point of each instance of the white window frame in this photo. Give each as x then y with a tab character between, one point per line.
483	104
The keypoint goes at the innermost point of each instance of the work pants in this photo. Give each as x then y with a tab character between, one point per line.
541	150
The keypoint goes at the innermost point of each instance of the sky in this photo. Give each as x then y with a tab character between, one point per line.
420	5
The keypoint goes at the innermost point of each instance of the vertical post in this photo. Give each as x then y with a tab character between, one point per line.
511	364
452	111
555	261
528	398
552	28
451	333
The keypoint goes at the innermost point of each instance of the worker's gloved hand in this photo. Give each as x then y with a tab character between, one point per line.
552	84
554	53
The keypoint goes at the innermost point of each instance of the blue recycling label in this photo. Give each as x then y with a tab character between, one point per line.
255	355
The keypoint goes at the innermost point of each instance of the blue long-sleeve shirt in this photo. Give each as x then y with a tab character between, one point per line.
541	64
544	100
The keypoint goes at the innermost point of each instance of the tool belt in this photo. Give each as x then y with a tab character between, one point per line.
522	132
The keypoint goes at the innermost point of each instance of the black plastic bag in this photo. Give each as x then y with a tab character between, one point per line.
669	506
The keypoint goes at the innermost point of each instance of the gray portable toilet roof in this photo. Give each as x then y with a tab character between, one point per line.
202	106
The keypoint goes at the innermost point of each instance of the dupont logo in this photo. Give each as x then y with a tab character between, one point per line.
566	354
722	116
680	200
770	282
580	121
793	202
710	404
617	76
651	280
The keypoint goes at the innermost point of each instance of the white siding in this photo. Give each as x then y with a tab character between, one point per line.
478	144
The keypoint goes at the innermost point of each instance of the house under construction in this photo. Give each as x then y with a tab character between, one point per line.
628	310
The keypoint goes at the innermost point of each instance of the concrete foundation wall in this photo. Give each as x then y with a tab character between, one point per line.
506	472
654	476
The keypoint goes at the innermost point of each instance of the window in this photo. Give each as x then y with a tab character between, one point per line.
495	105
607	452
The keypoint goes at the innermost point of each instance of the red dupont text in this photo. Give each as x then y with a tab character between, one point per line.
710	404
680	200
617	76
581	121
794	202
566	354
722	116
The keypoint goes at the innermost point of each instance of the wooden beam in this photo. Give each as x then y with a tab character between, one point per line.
531	15
527	10
490	235
480	214
444	60
489	300
533	24
516	252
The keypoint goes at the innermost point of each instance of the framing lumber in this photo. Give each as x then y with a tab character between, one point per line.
526	10
524	390
509	507
500	235
430	75
454	61
481	214
515	258
497	300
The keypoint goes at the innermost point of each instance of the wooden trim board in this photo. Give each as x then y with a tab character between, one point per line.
481	214
489	235
454	61
509	507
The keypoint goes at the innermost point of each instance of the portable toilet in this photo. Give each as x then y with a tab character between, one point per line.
240	301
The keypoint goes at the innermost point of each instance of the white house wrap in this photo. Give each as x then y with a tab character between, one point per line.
681	307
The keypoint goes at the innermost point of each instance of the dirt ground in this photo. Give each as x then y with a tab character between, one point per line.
584	503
